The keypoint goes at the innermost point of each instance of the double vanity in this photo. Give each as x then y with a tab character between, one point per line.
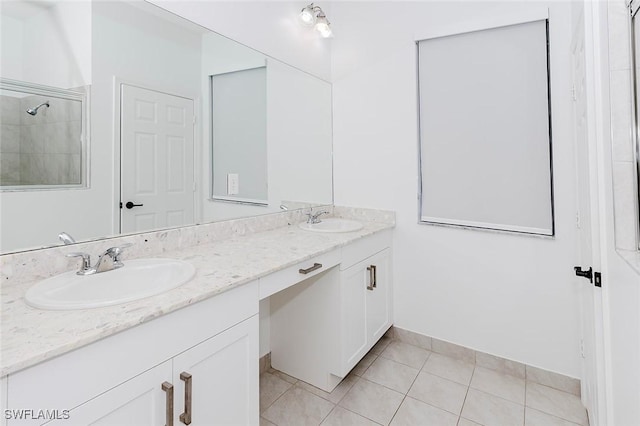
189	355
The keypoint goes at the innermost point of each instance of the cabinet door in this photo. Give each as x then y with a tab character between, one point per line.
223	379
139	401
353	306
379	299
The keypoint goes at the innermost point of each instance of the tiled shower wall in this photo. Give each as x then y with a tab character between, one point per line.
624	167
45	149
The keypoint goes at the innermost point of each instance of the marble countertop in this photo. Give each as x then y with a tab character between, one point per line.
30	336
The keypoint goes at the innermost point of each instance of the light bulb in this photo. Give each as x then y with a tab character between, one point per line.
322	26
307	15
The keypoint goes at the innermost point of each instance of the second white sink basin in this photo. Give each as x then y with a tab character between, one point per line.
137	279
332	224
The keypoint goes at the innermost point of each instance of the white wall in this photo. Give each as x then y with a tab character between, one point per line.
272	27
11	47
508	295
52	52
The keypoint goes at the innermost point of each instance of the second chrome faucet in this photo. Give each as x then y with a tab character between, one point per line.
107	261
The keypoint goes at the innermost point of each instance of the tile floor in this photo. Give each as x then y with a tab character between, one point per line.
400	384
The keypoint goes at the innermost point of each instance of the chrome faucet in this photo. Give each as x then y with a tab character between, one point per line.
66	238
314	218
107	261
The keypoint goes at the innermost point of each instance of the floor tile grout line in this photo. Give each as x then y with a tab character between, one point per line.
525	399
276	400
407	392
328	414
466	394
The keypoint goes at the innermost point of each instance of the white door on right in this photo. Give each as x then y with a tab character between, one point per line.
157	173
587	223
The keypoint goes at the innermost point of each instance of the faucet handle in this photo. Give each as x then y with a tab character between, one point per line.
115	252
86	261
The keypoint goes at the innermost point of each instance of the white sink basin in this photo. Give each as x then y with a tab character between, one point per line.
137	279
332	224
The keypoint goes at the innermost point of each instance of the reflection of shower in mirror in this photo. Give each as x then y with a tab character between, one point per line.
34	111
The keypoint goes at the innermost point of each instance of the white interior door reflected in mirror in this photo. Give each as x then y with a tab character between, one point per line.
157	176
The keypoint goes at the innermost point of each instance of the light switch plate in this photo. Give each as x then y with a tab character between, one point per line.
233	184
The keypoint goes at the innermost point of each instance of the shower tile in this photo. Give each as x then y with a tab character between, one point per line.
75	110
10	110
9	138
32	170
75	169
58	111
9	169
32	139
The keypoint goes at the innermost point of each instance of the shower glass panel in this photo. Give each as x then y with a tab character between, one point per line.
42	134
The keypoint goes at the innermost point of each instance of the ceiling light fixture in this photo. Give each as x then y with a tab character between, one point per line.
313	14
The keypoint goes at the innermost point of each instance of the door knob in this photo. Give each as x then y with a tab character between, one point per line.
130	205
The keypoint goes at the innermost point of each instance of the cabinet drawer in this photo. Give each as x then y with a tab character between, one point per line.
365	247
280	280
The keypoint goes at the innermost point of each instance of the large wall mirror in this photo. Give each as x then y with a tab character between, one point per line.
167	140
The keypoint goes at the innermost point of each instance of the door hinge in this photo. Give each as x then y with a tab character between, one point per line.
582	348
573	93
594	278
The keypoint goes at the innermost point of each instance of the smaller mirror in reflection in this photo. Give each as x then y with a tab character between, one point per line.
42	143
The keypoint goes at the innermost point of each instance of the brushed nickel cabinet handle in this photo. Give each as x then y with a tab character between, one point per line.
372	279
168	388
374	284
186	416
311	268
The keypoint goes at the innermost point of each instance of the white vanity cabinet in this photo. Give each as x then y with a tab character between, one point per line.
322	327
365	308
202	359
